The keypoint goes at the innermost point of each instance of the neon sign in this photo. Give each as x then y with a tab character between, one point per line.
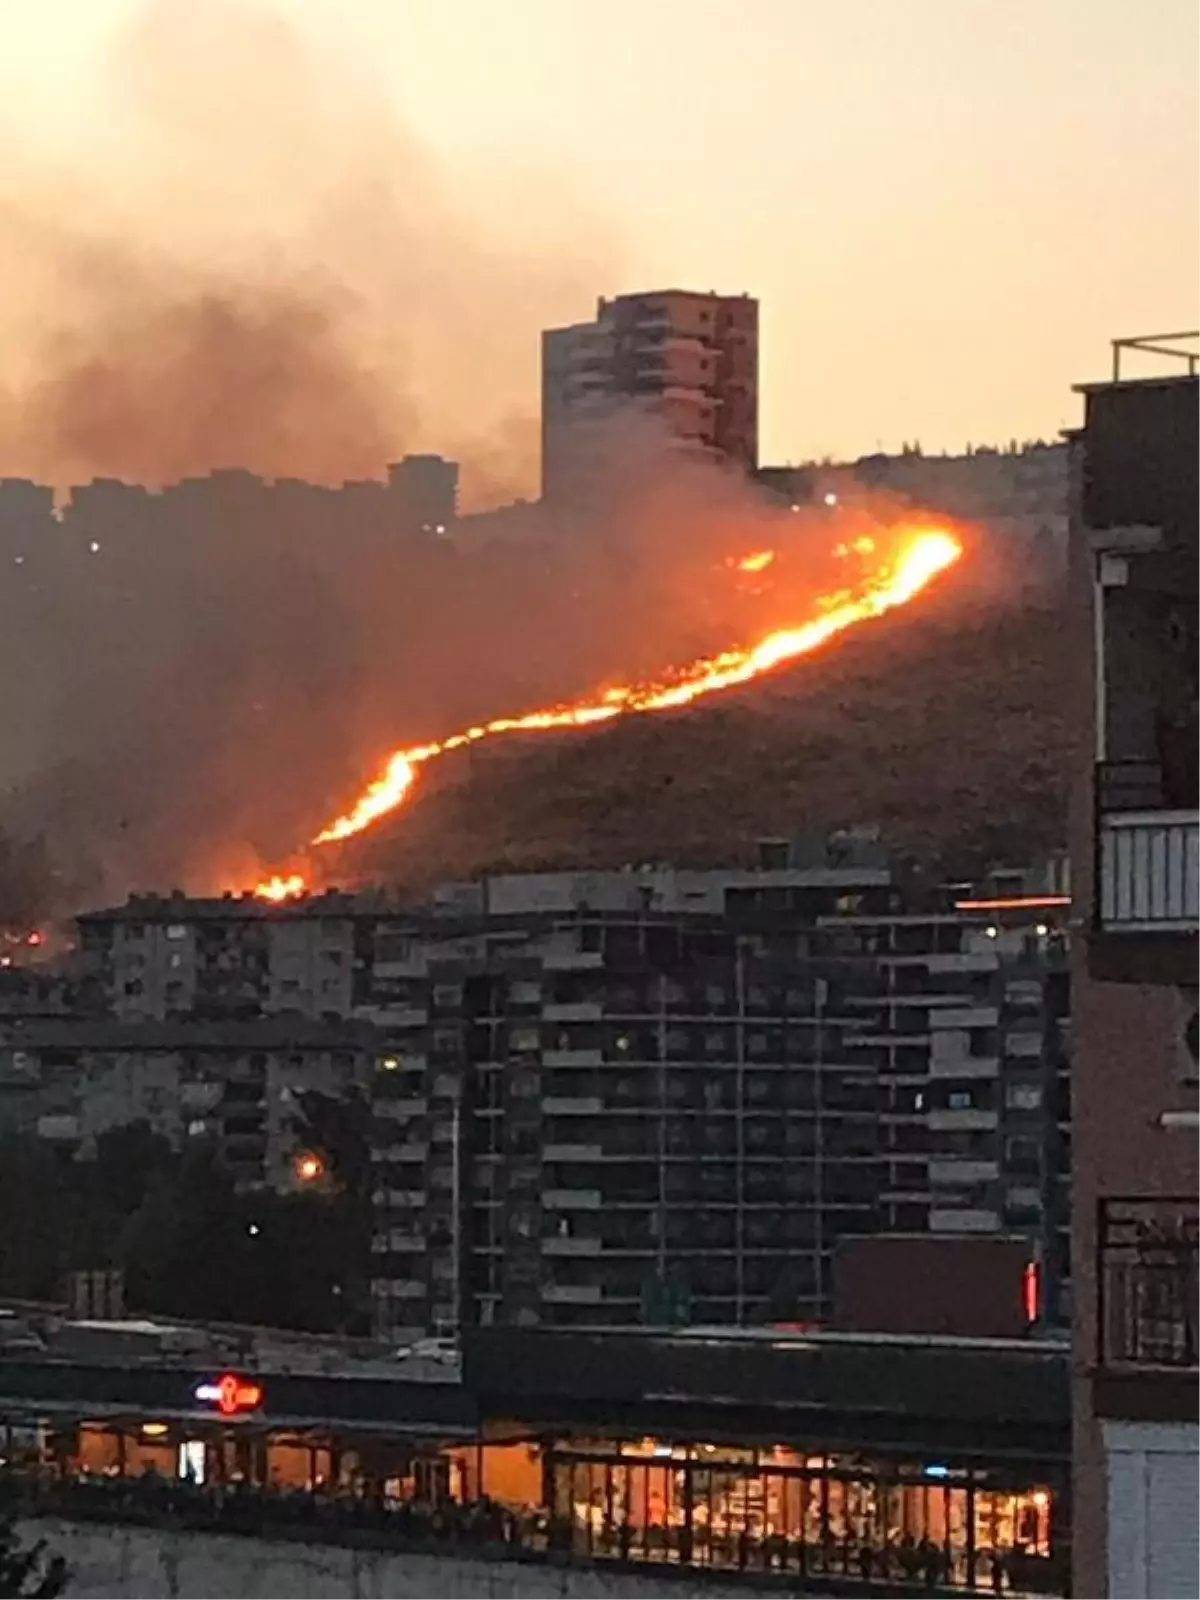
230	1394
1031	1291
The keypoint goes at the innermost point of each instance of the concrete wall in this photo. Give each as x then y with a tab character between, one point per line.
120	1561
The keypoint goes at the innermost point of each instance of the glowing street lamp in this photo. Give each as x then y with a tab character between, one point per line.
308	1167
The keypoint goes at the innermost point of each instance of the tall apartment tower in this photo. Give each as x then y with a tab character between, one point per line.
690	359
1134	546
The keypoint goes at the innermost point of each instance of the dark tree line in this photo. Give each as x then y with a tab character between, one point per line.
189	1242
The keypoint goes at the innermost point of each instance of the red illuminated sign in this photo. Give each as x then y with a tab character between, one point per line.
230	1394
1031	1291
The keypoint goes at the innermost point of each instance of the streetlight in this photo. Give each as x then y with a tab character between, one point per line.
308	1167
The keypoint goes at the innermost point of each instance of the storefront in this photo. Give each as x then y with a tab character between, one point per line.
719	1506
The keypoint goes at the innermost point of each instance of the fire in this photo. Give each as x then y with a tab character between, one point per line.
280	887
924	555
758	562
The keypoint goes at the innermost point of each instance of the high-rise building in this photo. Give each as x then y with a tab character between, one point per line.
1134	546
671	1096
689	359
426	490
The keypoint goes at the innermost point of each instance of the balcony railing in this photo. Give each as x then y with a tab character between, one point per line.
1146	1282
1147	850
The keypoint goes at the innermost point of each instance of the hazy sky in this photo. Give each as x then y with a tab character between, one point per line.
946	207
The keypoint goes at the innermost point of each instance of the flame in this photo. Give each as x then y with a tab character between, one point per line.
925	554
280	887
758	562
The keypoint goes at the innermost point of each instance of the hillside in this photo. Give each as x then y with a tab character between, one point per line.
949	727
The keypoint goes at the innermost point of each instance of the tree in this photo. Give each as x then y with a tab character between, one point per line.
36	1205
28	1570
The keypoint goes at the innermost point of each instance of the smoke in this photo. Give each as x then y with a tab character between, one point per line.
249	261
217	667
251	265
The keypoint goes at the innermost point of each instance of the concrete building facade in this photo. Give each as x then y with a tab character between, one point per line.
629	1097
688	359
1134	539
601	1098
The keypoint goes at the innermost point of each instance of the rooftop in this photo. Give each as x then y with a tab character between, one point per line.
1180	351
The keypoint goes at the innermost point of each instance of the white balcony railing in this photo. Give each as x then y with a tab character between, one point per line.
1149	877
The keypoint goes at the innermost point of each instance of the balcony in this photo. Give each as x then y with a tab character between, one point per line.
1147	1284
1149	872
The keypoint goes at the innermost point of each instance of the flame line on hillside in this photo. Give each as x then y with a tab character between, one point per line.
926	554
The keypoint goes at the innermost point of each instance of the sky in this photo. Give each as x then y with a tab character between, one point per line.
947	208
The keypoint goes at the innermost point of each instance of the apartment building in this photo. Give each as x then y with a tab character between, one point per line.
970	1041
210	1017
1134	538
668	1097
239	1085
602	1098
426	490
690	360
234	957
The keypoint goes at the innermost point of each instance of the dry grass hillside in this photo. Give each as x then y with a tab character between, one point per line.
947	726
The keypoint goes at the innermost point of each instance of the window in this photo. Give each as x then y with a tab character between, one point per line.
1023	1096
175	959
176	930
1022	1155
959	1100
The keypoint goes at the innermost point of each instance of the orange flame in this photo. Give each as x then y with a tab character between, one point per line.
758	562
281	888
924	556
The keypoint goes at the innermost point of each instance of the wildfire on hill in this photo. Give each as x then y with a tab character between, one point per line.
921	554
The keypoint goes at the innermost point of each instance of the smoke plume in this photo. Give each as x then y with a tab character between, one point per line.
251	273
249	261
